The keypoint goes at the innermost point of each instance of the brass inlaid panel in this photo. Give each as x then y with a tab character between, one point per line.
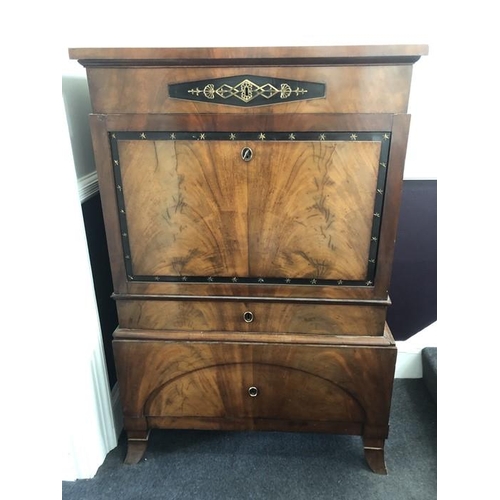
247	90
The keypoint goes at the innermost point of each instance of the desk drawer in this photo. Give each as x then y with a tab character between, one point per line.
253	390
214	384
377	89
252	316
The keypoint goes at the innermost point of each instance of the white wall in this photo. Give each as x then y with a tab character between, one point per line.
450	87
409	360
76	97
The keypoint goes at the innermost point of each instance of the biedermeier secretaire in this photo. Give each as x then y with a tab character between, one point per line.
251	198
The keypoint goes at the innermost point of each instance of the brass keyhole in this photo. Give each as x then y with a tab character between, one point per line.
248	317
253	392
246	154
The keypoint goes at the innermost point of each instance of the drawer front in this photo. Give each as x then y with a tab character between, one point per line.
347	89
217	382
253	390
252	316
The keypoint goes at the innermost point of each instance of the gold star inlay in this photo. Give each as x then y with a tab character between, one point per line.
202	137
262	136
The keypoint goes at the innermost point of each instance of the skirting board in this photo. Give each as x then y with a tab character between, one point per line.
408	364
117	410
409	360
87	186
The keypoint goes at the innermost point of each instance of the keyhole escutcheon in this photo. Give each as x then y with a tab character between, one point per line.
246	154
253	392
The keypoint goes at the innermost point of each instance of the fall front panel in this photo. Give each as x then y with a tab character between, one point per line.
287	208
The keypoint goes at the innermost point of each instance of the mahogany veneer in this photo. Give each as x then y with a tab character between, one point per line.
251	198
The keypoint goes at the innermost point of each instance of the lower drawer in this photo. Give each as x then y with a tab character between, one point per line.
253	390
220	315
214	385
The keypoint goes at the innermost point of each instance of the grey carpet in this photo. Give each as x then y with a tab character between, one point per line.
204	465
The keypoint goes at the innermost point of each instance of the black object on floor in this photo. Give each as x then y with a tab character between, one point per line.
213	465
429	370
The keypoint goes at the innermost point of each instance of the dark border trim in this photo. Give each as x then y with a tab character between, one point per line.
384	137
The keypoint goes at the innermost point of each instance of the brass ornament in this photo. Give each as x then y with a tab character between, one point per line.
247	90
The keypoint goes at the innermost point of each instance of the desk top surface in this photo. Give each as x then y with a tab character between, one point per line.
353	54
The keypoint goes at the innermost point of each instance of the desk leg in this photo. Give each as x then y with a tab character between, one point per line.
137	443
374	454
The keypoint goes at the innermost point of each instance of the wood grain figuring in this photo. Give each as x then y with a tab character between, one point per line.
307	208
212	380
311	208
349	89
223	391
195	315
186	205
